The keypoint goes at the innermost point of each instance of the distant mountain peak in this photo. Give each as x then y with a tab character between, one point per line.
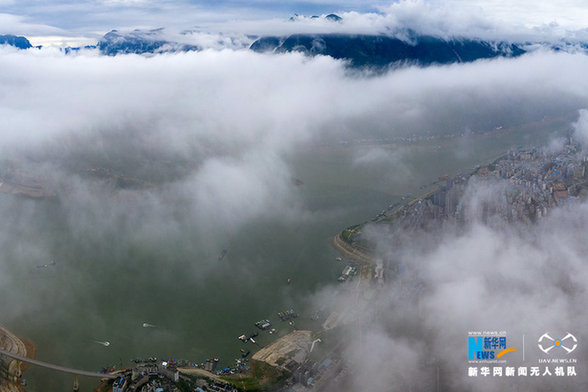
16	41
140	42
329	17
334	18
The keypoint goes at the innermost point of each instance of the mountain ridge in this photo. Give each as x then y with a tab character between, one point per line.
383	50
373	51
16	41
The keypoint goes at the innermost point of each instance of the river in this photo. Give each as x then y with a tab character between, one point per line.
105	287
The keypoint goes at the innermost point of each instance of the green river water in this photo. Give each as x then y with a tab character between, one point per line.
105	288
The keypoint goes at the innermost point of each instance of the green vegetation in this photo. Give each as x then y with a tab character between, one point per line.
244	383
262	377
185	386
281	361
188	381
351	231
104	386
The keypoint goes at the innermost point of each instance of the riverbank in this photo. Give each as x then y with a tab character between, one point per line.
10	369
352	253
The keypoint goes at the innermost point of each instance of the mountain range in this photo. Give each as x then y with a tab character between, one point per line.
376	51
382	51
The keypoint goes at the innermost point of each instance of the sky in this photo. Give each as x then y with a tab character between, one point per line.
88	20
239	115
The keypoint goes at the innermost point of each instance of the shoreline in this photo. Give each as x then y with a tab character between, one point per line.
31	352
201	372
13	369
352	253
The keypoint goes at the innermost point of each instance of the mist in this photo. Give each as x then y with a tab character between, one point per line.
212	131
486	275
158	163
211	136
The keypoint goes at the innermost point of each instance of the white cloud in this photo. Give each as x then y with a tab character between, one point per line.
581	128
14	24
489	19
519	278
125	2
232	118
60	41
238	115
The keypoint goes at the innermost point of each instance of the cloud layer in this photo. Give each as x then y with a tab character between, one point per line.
237	114
214	134
525	21
522	279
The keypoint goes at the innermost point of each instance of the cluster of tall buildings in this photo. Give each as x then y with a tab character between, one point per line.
521	186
